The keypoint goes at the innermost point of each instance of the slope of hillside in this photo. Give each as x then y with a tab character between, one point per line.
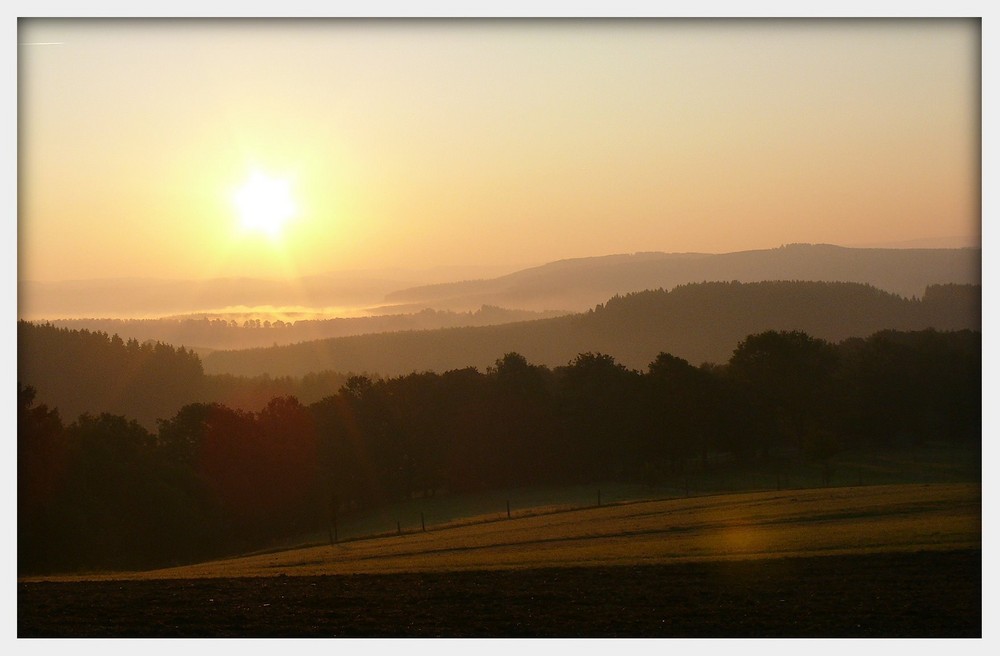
579	284
698	322
772	524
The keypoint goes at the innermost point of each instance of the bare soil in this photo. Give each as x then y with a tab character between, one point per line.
923	594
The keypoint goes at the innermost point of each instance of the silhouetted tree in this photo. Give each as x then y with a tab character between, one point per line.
905	387
790	375
515	443
285	466
682	417
599	405
41	478
117	498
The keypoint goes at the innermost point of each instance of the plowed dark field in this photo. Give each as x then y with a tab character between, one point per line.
923	594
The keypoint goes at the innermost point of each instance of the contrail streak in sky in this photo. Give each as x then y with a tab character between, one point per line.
42	43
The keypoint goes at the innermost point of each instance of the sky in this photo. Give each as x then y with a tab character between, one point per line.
421	143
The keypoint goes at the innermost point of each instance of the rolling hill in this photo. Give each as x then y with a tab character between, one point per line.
698	322
578	284
747	526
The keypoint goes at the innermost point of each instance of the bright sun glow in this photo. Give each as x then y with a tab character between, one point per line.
264	204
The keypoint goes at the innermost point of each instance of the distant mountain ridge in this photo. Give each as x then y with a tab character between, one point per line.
572	285
700	322
578	284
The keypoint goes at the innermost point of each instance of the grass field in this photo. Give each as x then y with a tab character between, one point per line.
925	464
758	525
876	561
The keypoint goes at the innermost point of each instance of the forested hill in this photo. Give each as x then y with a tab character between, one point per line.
81	371
698	322
78	371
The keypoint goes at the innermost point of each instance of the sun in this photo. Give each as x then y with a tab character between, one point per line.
264	204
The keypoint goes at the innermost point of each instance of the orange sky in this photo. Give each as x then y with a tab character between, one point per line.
423	143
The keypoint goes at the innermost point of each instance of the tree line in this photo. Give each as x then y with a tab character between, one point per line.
103	491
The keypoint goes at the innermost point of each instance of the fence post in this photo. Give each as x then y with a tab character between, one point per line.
399	529
332	527
598	497
423	526
508	508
